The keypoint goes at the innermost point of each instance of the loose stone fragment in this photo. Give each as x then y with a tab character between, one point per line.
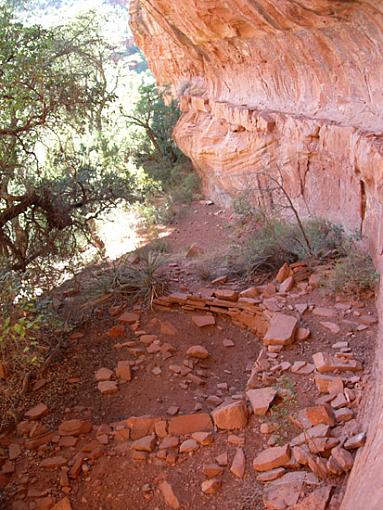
123	371
344	414
74	427
211	486
328	384
315	415
187	424
285	491
129	317
317	500
302	334
190	445
343	458
230	416
226	294
271	458
287	285
203	320
212	470
317	431
203	438
269	476
238	465
331	326
281	330
145	444
261	399
197	351
356	441
37	412
324	312
168	495
53	462
103	374
326	363
107	387
63	504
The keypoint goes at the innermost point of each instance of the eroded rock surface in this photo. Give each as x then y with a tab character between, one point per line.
267	84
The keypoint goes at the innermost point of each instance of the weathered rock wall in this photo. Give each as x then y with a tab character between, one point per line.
290	85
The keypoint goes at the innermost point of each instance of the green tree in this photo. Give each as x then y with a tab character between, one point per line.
157	118
53	91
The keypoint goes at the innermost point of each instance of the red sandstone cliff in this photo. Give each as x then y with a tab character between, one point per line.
291	84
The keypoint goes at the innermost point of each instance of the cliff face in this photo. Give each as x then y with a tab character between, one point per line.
288	85
266	84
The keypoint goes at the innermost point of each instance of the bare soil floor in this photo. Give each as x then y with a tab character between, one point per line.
113	476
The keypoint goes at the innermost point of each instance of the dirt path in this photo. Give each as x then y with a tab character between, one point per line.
106	460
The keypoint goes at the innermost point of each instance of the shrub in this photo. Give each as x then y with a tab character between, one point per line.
144	281
277	241
326	239
243	205
355	274
265	251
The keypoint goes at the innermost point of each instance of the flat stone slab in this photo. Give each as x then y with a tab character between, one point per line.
203	320
324	362
271	458
281	330
260	399
187	424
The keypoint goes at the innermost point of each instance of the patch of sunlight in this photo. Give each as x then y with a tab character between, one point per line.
119	233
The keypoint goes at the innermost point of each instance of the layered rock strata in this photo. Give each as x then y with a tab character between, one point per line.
269	85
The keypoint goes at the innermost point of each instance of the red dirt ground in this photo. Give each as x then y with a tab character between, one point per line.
114	481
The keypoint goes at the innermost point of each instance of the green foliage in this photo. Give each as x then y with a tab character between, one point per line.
157	118
20	324
326	239
243	206
353	275
264	251
57	169
277	241
143	281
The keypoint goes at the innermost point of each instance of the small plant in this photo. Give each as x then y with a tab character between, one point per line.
19	345
143	281
264	252
325	238
187	189
355	274
243	206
